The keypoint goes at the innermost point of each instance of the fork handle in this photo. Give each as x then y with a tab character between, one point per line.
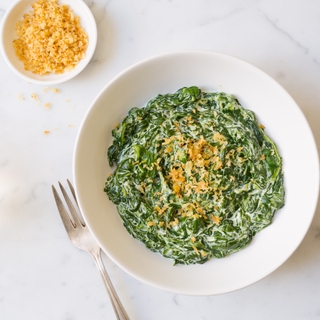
116	303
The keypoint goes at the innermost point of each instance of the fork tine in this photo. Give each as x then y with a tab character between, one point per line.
67	222
72	191
72	209
76	201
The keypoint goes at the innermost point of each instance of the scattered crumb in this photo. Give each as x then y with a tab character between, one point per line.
20	97
47	105
46	132
34	96
68	100
54	90
70	125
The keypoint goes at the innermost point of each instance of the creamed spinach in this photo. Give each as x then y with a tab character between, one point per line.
196	175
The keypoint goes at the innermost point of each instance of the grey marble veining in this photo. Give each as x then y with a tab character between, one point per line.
42	276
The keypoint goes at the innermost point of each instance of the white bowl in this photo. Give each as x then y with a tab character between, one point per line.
284	123
8	34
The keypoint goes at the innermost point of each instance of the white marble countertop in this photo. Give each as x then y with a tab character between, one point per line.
42	275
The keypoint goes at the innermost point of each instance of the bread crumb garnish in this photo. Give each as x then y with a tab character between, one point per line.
47	105
196	250
216	219
50	38
46	132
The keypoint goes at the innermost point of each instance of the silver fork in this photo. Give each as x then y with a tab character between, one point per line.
81	237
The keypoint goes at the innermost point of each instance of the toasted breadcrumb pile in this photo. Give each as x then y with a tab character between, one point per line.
50	38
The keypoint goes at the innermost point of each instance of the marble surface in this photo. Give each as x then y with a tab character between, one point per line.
42	275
